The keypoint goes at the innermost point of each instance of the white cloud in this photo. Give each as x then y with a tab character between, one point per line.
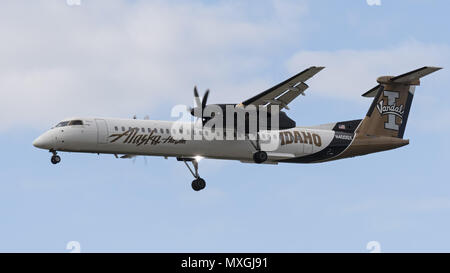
349	73
119	57
113	58
73	2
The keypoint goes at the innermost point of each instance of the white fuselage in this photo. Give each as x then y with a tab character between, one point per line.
163	138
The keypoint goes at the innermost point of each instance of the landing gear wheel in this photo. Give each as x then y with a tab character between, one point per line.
55	159
201	182
198	184
260	157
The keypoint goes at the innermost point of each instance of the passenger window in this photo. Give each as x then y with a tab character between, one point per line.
167	131
143	130
123	129
149	130
161	130
115	128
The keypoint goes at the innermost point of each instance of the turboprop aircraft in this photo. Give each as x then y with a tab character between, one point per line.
253	131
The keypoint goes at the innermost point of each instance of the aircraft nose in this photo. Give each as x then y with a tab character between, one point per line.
42	142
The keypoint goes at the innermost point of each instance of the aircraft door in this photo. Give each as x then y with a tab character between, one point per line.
102	131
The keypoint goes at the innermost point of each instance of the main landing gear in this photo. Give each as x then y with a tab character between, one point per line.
55	159
199	183
259	156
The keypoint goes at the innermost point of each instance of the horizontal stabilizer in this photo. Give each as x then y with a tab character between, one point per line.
415	75
372	92
411	78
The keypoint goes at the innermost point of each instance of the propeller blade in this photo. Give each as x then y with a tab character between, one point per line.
205	99
196	97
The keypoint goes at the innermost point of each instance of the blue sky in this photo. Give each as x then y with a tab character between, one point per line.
120	58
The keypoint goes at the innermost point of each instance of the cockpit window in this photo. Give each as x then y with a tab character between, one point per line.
62	124
69	123
76	122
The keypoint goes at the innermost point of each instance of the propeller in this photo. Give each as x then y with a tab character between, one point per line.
199	104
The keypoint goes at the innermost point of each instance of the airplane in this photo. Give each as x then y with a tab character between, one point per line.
381	129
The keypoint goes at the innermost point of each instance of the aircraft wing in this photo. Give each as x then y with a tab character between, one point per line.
283	93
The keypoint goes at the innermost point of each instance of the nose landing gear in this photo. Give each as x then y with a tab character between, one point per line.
55	159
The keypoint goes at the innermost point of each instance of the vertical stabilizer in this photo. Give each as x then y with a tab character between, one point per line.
388	114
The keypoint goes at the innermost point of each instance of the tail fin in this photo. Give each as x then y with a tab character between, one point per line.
388	114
